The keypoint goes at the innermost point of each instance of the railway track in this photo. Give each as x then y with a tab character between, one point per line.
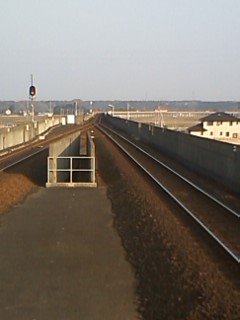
20	153
217	219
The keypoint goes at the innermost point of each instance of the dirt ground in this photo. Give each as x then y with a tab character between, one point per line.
176	278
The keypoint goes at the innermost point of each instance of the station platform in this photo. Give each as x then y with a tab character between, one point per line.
61	259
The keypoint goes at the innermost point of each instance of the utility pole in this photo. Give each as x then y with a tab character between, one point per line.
76	108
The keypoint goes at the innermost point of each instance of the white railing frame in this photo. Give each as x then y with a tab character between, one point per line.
71	170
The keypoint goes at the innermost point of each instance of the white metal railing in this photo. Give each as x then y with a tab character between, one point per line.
54	168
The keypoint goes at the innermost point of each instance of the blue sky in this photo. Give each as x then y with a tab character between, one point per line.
123	50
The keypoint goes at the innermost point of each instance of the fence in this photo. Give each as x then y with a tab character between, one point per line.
71	171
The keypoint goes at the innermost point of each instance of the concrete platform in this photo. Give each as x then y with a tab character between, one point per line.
61	259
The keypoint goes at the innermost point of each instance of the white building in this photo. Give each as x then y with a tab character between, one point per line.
218	125
8	112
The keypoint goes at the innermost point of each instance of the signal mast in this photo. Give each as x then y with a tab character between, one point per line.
32	94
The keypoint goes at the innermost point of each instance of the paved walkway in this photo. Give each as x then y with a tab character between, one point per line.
61	259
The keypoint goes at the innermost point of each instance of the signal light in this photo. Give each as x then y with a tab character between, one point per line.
32	91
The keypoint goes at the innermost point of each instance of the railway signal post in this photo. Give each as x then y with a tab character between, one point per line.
32	94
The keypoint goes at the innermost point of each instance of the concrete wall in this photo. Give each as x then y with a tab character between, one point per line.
82	171
67	146
47	123
217	160
14	136
91	153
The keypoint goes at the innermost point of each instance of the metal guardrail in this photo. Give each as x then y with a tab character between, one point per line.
63	168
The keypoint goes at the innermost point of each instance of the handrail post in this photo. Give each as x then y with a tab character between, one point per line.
70	169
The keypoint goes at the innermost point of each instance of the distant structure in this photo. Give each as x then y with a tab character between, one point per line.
219	125
8	112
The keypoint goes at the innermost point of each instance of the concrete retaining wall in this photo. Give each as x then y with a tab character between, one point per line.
67	146
217	160
14	136
91	153
77	169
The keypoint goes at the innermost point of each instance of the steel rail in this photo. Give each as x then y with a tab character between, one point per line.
43	145
210	233
236	214
4	154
